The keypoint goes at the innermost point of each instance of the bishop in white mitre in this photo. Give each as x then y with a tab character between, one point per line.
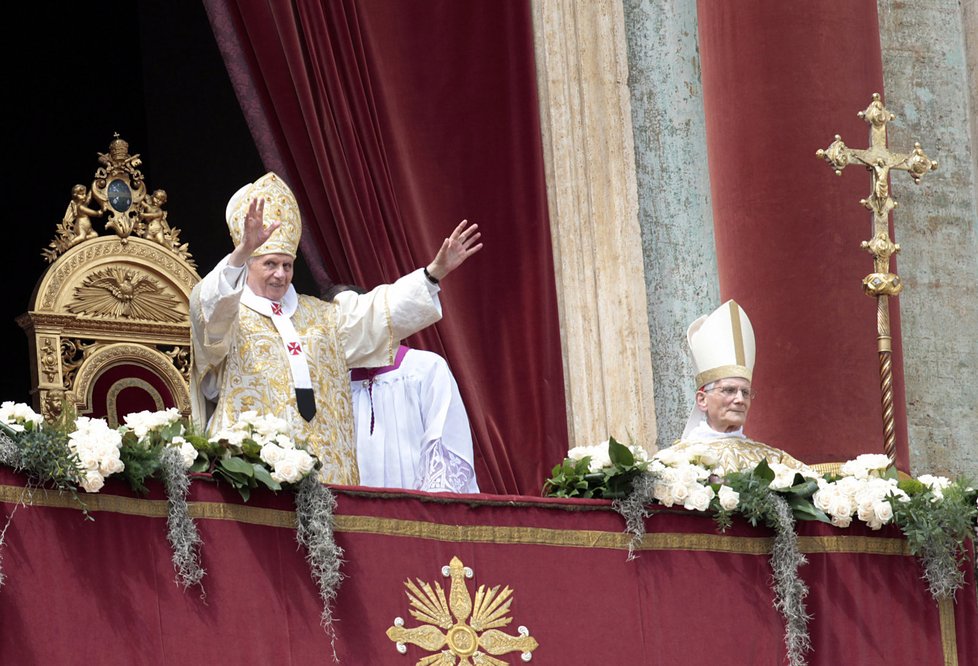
723	349
258	345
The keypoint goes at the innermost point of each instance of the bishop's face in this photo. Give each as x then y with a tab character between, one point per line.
726	403
270	275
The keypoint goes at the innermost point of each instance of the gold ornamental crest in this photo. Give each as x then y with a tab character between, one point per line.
461	631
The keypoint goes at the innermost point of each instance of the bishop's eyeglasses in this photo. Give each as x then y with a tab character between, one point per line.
730	392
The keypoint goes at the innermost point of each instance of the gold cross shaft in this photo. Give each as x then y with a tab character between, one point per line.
881	283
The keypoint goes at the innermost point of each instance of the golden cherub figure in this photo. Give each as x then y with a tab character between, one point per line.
154	217
78	216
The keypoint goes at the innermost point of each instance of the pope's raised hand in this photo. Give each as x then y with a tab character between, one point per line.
455	249
255	232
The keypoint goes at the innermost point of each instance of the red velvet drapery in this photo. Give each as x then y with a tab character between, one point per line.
779	80
103	592
392	121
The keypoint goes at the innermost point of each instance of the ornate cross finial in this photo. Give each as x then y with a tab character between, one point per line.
877	159
881	283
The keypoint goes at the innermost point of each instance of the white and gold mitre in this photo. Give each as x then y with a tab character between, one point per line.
280	206
722	344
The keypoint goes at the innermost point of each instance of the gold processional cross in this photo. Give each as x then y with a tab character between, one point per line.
881	283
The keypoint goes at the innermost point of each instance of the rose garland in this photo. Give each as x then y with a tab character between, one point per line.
255	451
936	515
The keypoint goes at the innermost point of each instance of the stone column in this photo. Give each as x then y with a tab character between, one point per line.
587	137
673	194
929	74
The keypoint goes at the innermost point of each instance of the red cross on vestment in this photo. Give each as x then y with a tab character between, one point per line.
294	348
276	308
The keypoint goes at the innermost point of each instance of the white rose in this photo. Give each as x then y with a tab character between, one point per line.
937	484
705	456
671	456
87	458
840	506
14	414
578	452
729	498
232	437
139	422
867	514
679	492
305	462
93	482
699	498
286	471
784	476
866	465
272	454
187	451
884	512
823	497
842	521
663	493
111	466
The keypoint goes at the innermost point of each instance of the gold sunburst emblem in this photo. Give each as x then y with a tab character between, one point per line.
127	293
463	631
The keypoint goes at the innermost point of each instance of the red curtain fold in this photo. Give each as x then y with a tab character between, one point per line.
392	121
779	80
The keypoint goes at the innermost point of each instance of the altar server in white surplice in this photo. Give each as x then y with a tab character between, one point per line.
260	346
411	426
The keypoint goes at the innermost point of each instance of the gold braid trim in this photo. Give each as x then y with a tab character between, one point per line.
390	327
949	637
507	534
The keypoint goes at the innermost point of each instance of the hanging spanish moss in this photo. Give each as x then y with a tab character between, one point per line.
789	589
315	504
633	508
182	531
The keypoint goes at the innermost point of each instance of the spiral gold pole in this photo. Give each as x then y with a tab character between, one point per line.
885	347
881	283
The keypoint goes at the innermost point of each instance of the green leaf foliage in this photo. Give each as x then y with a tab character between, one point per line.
141	463
237	466
262	475
574	478
620	455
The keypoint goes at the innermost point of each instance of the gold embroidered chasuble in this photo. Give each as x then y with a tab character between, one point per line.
257	377
735	454
241	363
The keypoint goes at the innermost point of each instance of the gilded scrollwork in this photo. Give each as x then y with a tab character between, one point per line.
126	293
108	249
73	354
180	356
48	359
112	300
121	197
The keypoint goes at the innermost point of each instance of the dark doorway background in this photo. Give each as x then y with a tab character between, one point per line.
79	73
